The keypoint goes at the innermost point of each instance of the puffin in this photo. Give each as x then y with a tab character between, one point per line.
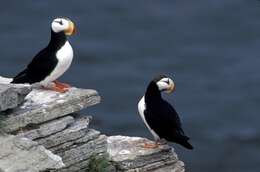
52	61
159	116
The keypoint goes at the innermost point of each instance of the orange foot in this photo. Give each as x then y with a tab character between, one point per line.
61	85
150	145
58	87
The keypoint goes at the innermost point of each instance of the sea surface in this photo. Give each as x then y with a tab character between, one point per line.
211	49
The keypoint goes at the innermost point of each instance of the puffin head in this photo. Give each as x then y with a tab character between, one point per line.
164	83
63	25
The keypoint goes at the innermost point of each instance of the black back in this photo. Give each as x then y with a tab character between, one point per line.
44	62
162	117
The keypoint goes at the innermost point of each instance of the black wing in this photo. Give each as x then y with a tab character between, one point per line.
39	68
164	120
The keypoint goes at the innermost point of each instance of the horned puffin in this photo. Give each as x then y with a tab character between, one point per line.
51	62
159	116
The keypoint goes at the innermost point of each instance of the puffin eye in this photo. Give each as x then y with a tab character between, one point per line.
167	82
60	22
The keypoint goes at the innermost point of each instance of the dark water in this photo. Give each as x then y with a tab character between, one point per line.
209	47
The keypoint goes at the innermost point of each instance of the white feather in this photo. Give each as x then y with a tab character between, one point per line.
141	109
65	56
162	85
57	26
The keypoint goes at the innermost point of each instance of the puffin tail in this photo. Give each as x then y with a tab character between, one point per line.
186	144
184	141
21	78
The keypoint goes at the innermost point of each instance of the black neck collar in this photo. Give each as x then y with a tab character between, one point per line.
57	40
152	93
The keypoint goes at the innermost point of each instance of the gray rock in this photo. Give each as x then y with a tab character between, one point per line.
47	129
75	143
4	80
129	155
89	135
97	163
83	152
12	95
21	154
76	152
44	105
77	130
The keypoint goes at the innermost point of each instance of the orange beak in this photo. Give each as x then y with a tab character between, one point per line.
71	29
171	88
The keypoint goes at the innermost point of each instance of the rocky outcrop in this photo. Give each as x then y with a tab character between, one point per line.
50	119
42	106
21	154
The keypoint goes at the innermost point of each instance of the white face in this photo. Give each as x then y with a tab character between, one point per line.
166	84
63	25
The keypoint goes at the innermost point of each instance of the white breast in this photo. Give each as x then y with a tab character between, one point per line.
65	56
141	109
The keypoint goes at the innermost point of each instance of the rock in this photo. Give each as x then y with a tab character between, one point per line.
19	154
75	131
129	155
4	80
89	134
45	105
83	152
47	129
76	144
70	138
12	95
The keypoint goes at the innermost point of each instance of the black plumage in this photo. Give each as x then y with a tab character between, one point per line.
44	62
162	117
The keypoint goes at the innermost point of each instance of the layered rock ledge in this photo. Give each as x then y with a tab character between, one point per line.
48	123
129	154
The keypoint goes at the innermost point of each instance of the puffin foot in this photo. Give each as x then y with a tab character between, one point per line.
57	87
150	145
61	85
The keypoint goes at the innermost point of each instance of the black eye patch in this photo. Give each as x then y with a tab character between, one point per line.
60	22
167	82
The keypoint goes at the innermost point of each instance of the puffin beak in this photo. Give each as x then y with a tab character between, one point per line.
71	29
171	88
